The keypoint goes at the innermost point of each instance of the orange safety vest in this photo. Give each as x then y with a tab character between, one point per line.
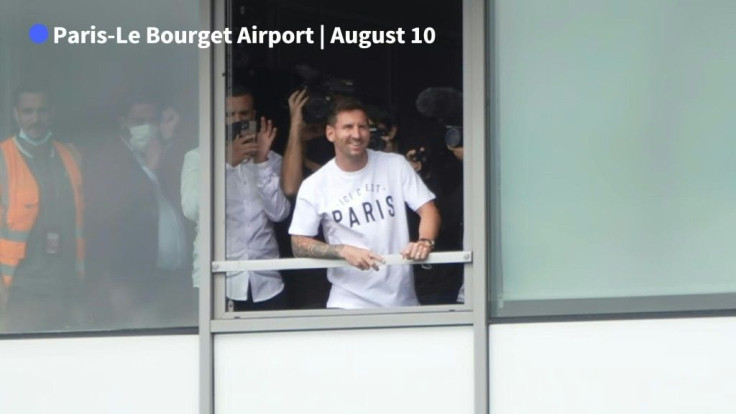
19	205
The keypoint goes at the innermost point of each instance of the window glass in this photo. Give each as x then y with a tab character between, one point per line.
93	235
284	180
615	147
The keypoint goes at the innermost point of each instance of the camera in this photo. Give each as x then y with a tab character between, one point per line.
322	91
376	142
239	128
419	155
454	136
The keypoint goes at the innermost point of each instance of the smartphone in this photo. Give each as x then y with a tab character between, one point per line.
242	128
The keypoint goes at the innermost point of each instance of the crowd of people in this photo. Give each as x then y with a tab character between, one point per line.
104	236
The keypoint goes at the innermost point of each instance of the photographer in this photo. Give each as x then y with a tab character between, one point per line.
254	202
384	129
309	106
300	134
441	170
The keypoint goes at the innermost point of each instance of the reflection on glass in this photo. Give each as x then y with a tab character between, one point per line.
92	233
41	228
137	229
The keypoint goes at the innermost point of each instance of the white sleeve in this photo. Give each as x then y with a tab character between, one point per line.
416	193
190	185
275	204
306	219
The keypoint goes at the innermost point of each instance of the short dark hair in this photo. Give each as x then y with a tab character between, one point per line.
139	96
240	90
380	114
344	105
31	85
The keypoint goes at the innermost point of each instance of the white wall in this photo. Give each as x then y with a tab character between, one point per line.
650	366
418	370
100	375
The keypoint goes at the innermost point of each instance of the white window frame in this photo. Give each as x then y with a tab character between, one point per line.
214	320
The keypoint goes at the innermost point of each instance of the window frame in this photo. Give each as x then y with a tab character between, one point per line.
595	308
213	302
474	313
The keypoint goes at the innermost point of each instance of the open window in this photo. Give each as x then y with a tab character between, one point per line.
412	93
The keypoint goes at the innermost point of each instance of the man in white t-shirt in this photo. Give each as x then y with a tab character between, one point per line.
358	198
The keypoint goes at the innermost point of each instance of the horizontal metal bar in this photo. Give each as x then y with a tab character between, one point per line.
336	313
342	322
306	263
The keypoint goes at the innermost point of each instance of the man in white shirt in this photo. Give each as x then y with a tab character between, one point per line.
358	198
254	201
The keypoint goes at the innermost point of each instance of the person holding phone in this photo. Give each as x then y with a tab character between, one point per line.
254	201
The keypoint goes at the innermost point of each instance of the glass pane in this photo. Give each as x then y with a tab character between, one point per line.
94	137
615	142
296	87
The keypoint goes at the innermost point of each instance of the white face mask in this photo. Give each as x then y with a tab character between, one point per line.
141	135
35	143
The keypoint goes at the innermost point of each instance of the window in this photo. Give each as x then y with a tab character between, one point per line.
388	79
615	157
103	243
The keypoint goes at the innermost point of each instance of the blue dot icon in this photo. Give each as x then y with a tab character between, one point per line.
38	33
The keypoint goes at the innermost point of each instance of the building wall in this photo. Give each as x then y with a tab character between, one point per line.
144	374
644	366
414	370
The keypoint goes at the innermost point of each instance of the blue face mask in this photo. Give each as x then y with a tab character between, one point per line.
35	143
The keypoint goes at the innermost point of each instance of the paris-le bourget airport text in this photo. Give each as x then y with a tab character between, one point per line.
247	35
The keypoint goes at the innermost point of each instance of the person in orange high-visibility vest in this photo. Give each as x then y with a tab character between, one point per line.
41	214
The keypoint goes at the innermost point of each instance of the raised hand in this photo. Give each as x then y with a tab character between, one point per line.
264	140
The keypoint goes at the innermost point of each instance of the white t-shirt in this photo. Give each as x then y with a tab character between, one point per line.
365	209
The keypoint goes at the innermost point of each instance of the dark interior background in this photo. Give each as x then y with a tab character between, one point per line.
390	75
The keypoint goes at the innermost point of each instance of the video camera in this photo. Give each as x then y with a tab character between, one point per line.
322	91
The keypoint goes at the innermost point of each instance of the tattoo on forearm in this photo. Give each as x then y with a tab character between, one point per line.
308	247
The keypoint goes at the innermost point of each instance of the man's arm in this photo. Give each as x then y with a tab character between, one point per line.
291	170
429	226
363	259
190	185
275	204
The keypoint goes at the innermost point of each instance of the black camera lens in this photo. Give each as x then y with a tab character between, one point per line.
317	108
454	137
376	142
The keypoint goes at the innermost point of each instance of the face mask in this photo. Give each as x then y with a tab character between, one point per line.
141	135
35	143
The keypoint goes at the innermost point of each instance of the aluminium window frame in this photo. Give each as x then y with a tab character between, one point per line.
473	313
308	319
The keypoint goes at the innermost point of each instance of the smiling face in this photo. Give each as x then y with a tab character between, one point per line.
33	114
351	136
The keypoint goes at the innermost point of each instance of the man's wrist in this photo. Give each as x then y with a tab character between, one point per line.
427	242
